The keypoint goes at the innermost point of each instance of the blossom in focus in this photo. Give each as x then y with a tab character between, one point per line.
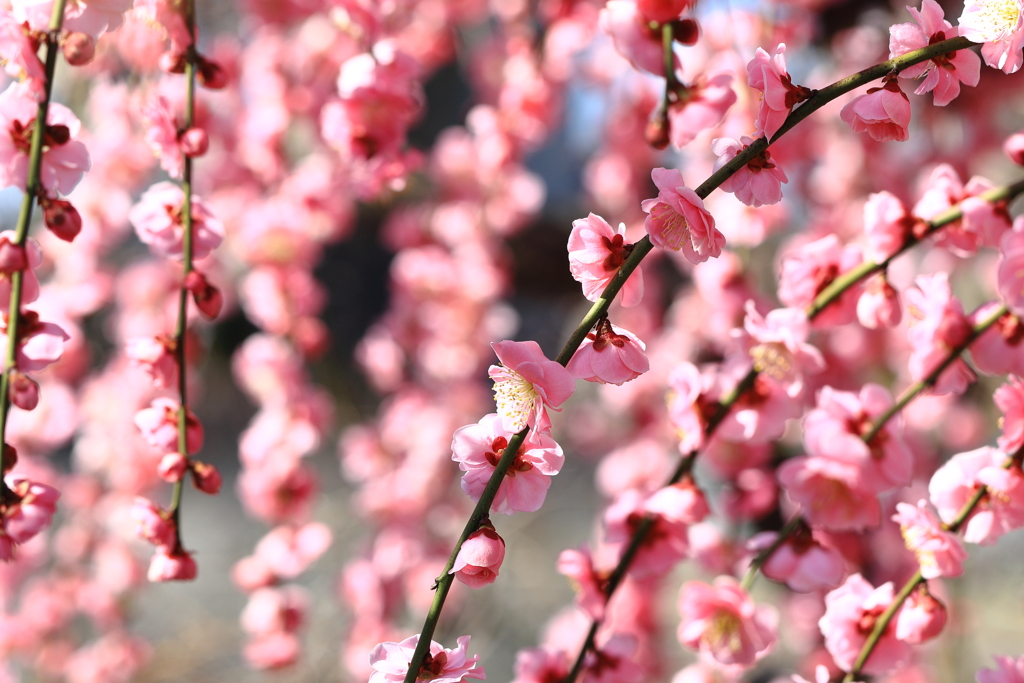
768	74
722	621
850	615
998	24
677	219
883	113
390	662
944	73
158	222
65	159
480	557
596	251
609	355
758	182
478	448
526	384
939	552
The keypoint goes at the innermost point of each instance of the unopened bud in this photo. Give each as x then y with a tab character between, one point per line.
211	75
656	132
62	219
1014	148
23	390
208	298
78	48
685	31
12	257
10	458
206	477
194	142
172	467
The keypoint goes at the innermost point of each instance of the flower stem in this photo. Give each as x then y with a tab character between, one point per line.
181	328
32	191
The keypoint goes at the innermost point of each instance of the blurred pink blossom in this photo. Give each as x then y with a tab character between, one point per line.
722	621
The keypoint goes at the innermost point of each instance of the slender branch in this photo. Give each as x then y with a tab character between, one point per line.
600	308
28	200
181	328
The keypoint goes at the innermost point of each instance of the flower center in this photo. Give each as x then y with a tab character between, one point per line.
514	396
724	630
995	20
774	360
675	229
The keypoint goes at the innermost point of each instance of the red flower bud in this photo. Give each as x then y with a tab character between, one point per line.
206	477
78	48
194	142
208	298
62	218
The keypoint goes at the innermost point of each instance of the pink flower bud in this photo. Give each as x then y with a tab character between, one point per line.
12	257
194	142
211	75
656	133
33	513
152	523
62	219
208	298
172	467
480	557
79	48
922	617
879	305
24	392
159	426
609	355
206	477
1014	147
168	565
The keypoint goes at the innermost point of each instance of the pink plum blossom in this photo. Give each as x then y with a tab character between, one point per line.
921	618
595	253
540	665
526	384
722	622
685	408
171	144
35	506
159	426
779	348
983	222
93	17
1010	399
836	429
206	477
702	108
887	224
609	355
589	584
390	662
478	447
943	74
287	550
480	557
851	612
633	36
663	11
153	524
667	542
810	268
1009	670
801	561
172	467
834	494
768	74
939	552
677	219
24	260
879	304
19	53
156	356
936	326
758	182
883	113
956	482
157	219
999	24
65	159
41	344
1010	273
171	565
